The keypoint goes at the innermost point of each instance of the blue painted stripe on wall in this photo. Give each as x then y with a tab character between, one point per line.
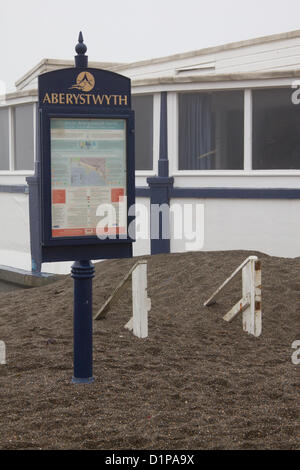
198	193
142	192
227	193
237	193
15	188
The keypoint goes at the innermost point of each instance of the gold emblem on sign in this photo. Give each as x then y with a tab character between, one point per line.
84	82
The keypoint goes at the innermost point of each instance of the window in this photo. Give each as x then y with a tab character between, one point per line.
143	108
23	128
211	130
276	130
4	139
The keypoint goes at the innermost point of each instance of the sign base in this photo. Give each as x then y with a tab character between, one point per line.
76	380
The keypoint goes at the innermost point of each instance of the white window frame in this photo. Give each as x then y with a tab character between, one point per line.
11	137
248	129
247	87
143	174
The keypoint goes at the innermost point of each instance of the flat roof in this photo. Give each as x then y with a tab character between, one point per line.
214	49
46	65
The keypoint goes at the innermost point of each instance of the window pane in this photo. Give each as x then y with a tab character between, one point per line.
211	130
24	137
143	108
276	130
4	139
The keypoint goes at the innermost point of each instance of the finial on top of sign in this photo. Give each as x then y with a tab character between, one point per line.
81	60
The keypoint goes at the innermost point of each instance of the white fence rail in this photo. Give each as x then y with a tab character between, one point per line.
3	369
141	304
250	303
2	353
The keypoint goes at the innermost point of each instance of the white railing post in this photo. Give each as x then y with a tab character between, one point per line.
141	304
251	276
249	288
2	358
2	353
257	303
250	303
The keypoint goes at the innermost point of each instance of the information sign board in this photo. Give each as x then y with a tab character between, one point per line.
87	164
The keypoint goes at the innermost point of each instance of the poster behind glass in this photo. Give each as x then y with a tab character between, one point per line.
88	169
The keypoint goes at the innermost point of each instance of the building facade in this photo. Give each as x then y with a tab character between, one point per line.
217	128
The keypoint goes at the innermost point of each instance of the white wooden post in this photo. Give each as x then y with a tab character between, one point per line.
117	292
257	303
251	276
250	303
248	288
141	304
2	353
3	370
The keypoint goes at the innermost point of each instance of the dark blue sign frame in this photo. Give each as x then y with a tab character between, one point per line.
110	98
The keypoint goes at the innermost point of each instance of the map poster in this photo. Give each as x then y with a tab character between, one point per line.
88	169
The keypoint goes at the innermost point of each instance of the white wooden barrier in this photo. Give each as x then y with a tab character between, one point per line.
250	303
141	303
2	353
118	292
3	370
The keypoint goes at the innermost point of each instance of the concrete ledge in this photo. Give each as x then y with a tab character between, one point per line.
24	278
14	188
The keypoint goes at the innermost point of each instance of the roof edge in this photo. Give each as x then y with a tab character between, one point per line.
117	66
214	49
238	76
64	63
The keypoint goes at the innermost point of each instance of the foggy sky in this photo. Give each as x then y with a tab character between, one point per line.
129	30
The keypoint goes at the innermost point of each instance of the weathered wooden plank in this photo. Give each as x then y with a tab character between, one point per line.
141	304
250	303
2	353
3	367
257	307
117	292
252	317
129	325
239	307
248	288
211	300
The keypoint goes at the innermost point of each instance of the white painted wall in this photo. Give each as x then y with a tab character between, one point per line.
15	235
14	231
288	179
143	246
268	226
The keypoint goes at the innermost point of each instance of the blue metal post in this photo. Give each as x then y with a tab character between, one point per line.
161	185
83	273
